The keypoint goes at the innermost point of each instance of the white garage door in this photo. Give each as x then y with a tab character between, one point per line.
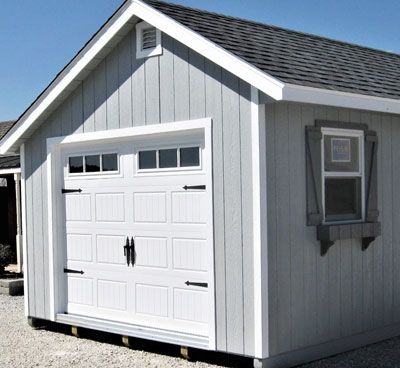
138	249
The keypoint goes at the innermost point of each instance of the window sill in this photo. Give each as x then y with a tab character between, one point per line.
328	234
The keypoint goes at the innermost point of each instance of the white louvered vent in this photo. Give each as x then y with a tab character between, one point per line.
148	40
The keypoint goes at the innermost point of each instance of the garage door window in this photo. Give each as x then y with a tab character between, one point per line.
169	158
98	163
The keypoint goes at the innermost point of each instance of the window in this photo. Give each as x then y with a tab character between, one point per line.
342	182
148	40
97	163
109	162
147	159
169	158
343	175
76	165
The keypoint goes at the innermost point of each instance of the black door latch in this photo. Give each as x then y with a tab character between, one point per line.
129	252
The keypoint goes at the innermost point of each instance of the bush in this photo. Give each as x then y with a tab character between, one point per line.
6	256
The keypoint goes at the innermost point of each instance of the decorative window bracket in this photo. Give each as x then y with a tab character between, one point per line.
328	234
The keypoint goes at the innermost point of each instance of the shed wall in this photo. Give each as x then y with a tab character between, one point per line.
178	85
314	299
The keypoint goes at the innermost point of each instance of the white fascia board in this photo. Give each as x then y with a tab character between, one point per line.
321	96
9	171
68	75
220	56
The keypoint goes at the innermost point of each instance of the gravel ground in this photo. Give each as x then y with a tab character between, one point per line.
23	346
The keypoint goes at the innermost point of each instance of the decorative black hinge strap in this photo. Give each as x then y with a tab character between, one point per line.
67	270
201	284
63	191
186	187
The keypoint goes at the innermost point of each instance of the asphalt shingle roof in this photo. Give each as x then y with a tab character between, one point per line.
5	126
295	57
9	162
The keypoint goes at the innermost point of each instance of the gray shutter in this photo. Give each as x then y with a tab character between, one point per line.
371	176
314	175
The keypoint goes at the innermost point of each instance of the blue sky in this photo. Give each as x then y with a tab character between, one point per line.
38	38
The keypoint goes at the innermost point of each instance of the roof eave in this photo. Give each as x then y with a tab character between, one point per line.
320	96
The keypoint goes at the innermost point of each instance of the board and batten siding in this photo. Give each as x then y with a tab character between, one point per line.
315	299
178	85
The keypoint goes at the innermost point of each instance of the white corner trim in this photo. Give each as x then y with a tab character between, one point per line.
260	287
50	198
321	96
244	70
24	227
140	53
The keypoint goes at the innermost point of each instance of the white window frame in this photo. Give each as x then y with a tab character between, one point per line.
331	174
178	159
142	53
97	173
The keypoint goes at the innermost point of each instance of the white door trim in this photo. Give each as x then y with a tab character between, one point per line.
55	221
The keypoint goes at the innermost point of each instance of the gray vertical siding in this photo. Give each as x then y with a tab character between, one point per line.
178	85
316	299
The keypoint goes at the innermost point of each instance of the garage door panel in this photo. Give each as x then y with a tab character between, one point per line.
79	247
80	290
150	207
110	207
112	295
78	207
152	300
189	208
151	252
190	305
189	254
110	249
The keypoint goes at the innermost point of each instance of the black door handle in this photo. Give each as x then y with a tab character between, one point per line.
132	252
127	251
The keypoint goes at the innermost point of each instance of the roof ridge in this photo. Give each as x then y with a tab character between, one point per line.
388	53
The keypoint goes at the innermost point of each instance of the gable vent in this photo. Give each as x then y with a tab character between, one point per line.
149	38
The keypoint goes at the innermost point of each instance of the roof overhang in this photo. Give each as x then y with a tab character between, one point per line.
122	22
321	96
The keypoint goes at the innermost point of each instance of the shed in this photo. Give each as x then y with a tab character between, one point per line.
217	183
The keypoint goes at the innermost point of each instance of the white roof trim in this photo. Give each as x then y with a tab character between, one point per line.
242	69
321	96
